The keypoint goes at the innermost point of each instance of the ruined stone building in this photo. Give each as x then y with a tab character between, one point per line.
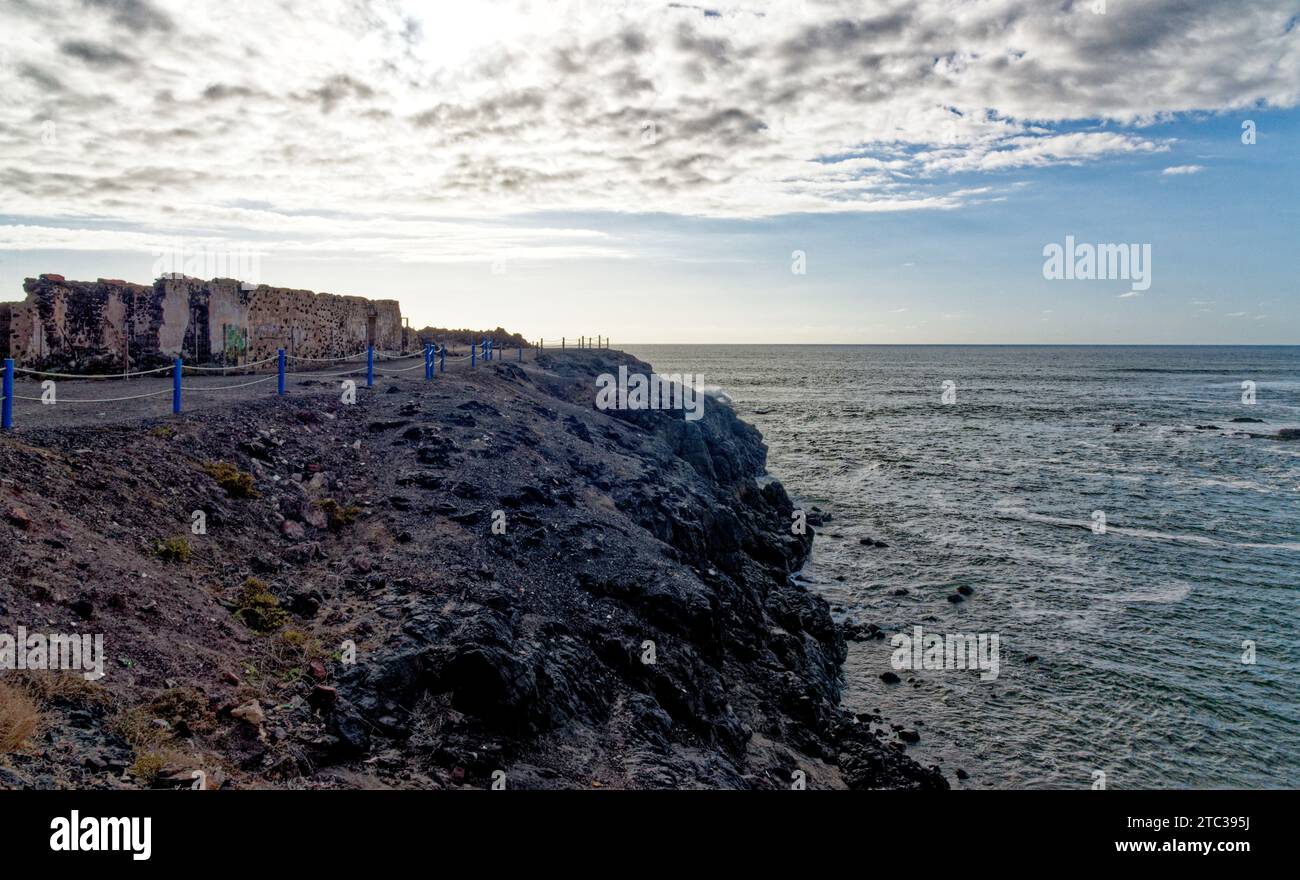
106	324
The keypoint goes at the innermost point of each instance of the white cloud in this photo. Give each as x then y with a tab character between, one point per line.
1183	169
409	130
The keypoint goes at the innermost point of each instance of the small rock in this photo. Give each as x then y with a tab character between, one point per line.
249	713
323	697
890	678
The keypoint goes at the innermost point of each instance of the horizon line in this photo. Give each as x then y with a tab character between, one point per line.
986	344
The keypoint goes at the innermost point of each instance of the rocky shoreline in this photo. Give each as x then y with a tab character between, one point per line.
476	581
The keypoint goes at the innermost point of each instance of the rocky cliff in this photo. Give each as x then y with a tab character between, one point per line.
480	579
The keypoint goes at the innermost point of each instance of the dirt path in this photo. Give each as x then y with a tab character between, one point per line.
85	402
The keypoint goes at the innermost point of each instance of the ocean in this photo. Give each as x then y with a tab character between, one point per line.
1134	549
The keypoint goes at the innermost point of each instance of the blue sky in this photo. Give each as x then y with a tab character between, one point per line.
516	185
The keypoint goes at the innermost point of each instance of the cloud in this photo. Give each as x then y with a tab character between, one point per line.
1183	169
136	16
97	55
170	114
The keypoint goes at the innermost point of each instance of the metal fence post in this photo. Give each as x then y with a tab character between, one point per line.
280	363
8	405
473	354
370	366
442	358
176	387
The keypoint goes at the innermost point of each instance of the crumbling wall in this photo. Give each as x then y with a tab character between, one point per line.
6	319
102	325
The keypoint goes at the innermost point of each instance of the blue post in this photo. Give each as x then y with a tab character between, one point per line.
426	362
8	406
370	365
473	353
176	387
280	384
442	358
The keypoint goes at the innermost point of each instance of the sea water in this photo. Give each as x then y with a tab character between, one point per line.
1135	550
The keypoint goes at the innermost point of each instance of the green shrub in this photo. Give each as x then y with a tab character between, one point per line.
174	549
183	704
258	609
337	515
236	483
147	767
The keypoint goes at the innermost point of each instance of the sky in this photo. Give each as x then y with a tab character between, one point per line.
757	172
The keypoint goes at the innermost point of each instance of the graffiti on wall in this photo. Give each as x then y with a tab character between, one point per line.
236	344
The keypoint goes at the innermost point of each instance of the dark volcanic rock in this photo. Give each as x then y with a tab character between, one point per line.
634	623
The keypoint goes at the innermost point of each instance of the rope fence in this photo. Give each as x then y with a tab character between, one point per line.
92	375
583	342
434	361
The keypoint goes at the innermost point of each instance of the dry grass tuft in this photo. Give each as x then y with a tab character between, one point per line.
19	717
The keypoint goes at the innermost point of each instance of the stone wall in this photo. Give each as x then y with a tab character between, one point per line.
88	326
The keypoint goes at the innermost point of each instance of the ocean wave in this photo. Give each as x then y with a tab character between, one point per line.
1146	534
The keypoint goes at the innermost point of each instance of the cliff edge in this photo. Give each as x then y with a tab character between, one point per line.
472	581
